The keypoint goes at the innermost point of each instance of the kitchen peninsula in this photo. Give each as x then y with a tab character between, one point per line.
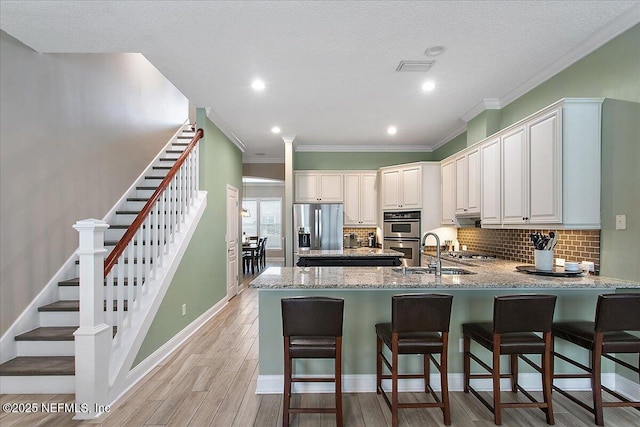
360	257
367	292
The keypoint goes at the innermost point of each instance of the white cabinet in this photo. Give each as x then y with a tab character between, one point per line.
545	170
467	189
402	187
536	171
313	187
532	172
514	177
360	199
448	192
490	183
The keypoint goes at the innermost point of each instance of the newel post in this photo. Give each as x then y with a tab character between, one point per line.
93	337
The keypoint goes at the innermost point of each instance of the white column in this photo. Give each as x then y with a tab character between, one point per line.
93	337
288	200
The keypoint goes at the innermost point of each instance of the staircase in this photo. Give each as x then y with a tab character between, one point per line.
45	361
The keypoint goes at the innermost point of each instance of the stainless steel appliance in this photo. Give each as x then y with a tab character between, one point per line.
350	240
317	226
401	232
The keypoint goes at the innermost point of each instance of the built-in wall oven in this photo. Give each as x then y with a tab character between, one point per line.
401	232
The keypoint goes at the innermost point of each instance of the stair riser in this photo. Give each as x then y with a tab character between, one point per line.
45	384
45	348
122	219
59	318
69	292
114	234
144	193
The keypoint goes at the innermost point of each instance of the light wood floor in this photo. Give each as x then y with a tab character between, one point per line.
211	380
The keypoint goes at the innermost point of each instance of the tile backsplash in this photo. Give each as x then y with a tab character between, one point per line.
573	245
362	233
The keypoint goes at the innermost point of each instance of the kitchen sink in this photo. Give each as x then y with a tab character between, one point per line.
429	270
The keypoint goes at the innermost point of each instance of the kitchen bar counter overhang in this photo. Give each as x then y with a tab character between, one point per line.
367	292
493	274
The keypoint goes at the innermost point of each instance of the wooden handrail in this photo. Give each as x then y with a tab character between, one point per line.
111	260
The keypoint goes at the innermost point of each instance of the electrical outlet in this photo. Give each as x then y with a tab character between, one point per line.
461	345
621	222
184	309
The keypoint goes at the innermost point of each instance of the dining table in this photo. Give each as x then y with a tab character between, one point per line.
251	247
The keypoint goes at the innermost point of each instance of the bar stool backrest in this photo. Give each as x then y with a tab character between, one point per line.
312	316
618	312
523	313
420	313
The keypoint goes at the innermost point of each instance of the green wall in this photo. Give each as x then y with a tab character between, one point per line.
200	281
458	143
353	161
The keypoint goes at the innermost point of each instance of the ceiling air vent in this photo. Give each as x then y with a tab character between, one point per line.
420	66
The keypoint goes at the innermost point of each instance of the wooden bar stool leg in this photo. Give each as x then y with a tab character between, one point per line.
427	364
514	373
394	381
444	381
379	365
547	376
596	381
287	384
467	362
338	379
495	373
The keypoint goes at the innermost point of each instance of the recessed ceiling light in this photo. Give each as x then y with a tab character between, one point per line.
392	130
275	129
428	86
435	50
258	85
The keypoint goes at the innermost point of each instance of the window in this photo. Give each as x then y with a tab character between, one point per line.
265	220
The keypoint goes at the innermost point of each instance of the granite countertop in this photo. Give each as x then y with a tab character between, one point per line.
357	252
490	274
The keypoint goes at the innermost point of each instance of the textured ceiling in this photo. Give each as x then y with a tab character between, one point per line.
330	66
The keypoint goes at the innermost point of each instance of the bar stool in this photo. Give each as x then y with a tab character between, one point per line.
312	329
419	325
515	319
615	314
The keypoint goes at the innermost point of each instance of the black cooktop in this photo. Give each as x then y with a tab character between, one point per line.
470	255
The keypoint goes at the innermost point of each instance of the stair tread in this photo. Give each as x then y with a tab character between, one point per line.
39	365
126	261
48	333
71	305
62	305
76	282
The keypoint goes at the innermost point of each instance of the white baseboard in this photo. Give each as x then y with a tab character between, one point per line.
274	384
627	388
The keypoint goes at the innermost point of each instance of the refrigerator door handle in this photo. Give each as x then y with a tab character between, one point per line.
319	227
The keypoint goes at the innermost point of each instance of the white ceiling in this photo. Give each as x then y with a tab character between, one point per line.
330	66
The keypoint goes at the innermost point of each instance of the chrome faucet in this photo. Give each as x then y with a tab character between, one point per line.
438	265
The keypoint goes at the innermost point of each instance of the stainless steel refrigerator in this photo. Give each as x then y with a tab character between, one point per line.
317	226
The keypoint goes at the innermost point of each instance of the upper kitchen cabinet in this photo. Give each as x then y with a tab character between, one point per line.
532	172
315	187
360	200
448	192
490	183
402	187
549	165
467	188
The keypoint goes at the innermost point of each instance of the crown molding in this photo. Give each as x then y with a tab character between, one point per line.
220	124
363	148
450	135
594	41
262	159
